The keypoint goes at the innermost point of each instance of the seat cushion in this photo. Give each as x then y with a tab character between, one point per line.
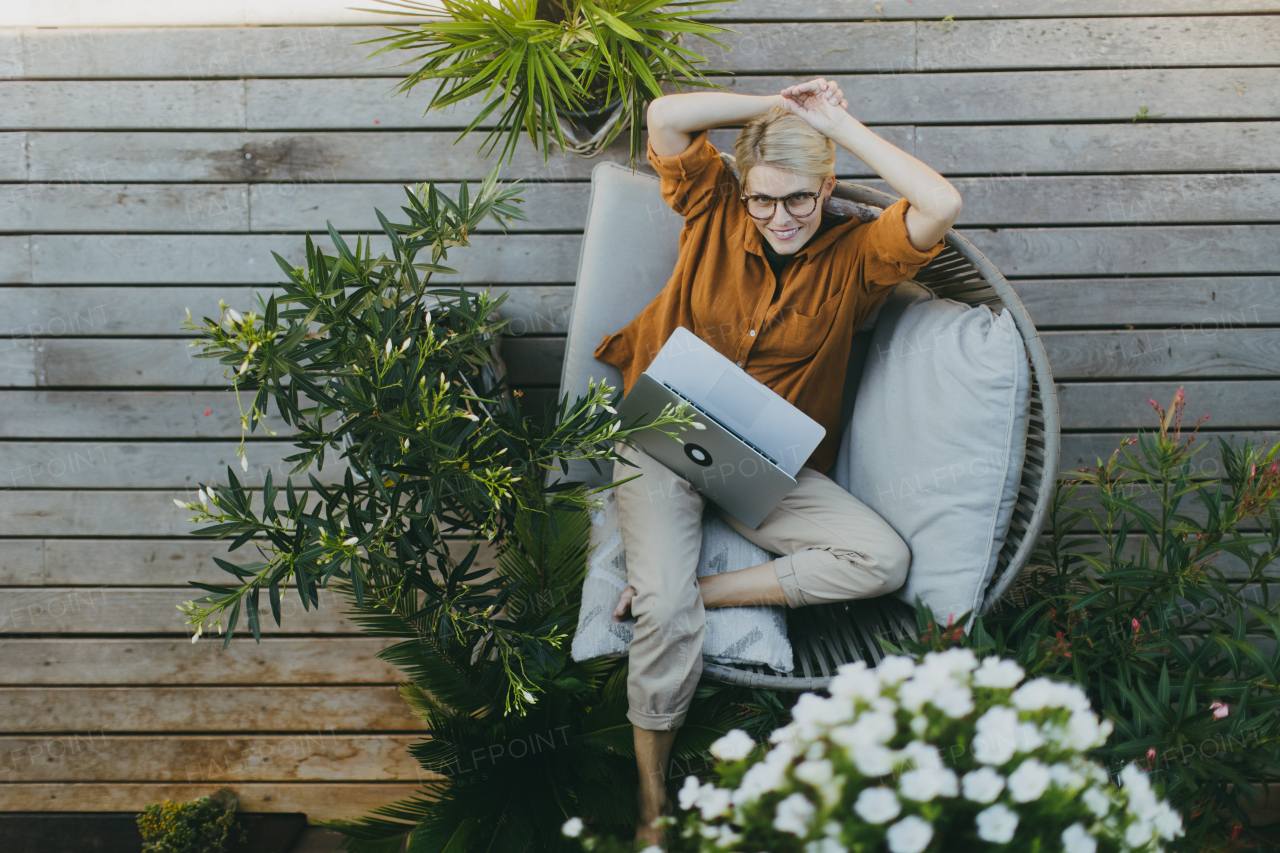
937	437
734	635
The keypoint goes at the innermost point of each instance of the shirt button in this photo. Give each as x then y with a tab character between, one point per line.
752	333
739	363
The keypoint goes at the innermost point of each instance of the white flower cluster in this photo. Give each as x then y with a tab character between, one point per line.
856	768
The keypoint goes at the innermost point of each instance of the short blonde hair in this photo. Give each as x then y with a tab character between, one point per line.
785	141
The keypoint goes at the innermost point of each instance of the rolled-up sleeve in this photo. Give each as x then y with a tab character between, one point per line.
695	180
888	256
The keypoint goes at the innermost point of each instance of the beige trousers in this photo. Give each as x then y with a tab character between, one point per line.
835	548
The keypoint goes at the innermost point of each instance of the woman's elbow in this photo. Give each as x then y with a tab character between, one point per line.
655	113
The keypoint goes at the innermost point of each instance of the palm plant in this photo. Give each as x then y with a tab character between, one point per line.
507	782
536	57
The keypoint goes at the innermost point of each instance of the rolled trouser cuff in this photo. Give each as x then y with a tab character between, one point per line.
817	576
656	722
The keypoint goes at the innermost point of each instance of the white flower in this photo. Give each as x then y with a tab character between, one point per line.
1096	801
793	815
872	727
234	315
572	827
925	756
1029	781
894	668
873	760
689	793
351	540
1168	822
952	661
954	700
877	805
993	741
999	673
1076	840
821	775
1142	800
910	835
1139	833
652	848
813	715
713	802
726	837
825	845
1046	693
999	735
854	681
179	504
1067	777
997	824
244	463
982	785
765	776
1081	732
916	691
924	785
204	499
734	746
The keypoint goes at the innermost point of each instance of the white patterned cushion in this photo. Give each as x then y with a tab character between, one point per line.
734	635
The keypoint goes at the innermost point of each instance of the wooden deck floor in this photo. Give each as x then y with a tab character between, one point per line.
147	170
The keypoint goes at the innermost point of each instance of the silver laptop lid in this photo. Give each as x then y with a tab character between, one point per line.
746	405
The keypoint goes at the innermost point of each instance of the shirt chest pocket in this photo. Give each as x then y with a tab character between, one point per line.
798	335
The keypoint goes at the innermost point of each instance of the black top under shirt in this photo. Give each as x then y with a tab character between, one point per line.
776	260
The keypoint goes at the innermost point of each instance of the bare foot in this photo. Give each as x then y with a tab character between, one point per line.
623	610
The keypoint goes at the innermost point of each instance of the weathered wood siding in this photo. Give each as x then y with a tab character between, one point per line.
147	170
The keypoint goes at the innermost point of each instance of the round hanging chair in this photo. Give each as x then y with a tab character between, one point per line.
825	636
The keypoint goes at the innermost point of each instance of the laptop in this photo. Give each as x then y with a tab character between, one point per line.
753	443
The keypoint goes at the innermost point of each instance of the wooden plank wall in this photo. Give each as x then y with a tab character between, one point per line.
147	170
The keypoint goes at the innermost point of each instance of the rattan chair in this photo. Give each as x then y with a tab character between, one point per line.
628	251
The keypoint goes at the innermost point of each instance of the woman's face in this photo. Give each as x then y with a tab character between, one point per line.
787	233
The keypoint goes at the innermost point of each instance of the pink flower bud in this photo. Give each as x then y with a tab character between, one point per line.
1151	756
1135	626
1219	710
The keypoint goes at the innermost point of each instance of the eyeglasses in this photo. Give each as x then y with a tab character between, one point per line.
763	207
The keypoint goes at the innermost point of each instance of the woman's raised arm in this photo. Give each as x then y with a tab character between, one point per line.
675	119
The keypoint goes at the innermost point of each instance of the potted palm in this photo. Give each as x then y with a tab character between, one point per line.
576	72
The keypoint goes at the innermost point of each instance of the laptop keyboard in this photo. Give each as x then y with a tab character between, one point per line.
728	428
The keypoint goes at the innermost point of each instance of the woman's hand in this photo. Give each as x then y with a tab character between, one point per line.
819	102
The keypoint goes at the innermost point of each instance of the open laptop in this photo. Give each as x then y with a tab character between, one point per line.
754	441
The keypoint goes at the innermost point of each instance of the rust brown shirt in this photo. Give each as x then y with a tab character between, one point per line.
793	337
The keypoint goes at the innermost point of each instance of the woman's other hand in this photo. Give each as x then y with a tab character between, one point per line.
819	102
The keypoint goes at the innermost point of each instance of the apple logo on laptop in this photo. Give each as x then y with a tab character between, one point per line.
698	454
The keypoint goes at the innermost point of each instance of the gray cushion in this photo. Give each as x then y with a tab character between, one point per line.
629	251
937	439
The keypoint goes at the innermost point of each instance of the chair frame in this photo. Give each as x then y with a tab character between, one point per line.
832	634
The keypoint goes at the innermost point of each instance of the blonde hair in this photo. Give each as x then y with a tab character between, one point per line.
785	141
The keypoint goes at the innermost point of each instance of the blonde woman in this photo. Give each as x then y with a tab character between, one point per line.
774	283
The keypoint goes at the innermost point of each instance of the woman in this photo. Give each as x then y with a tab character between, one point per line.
773	283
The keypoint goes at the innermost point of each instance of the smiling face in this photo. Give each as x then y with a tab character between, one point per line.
784	232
